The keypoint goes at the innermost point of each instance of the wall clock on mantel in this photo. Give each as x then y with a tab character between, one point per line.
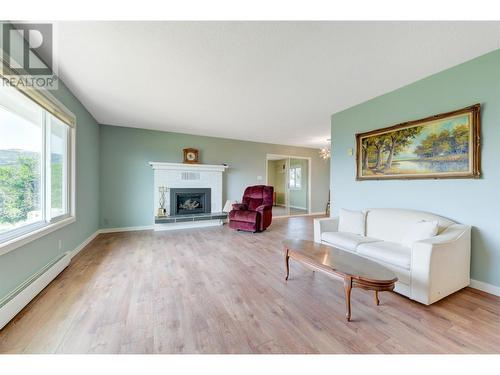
191	155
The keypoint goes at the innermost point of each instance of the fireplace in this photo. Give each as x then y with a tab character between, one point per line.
189	201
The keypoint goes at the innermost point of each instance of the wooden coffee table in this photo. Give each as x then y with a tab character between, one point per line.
354	270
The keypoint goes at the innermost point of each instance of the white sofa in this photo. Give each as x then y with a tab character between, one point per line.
427	271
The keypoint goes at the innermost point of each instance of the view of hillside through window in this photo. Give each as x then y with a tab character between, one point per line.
20	170
33	163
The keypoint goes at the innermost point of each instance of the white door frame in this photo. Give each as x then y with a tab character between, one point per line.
309	187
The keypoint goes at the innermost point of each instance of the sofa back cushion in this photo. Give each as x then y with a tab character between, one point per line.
420	231
393	224
352	222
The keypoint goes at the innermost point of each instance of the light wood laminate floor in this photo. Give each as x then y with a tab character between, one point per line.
216	290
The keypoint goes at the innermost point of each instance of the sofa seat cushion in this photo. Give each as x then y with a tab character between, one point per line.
387	252
344	240
244	215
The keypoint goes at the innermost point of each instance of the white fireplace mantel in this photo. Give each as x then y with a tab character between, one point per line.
188	167
179	175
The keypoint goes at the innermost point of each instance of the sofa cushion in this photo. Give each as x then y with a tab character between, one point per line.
420	231
387	252
352	221
345	241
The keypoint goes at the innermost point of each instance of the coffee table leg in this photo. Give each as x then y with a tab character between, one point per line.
286	264
377	302
347	288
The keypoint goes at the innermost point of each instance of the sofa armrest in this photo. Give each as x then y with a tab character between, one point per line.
239	206
325	225
440	265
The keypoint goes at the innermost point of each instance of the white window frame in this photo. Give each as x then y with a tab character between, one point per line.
25	234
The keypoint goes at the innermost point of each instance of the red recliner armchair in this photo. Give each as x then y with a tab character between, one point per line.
255	212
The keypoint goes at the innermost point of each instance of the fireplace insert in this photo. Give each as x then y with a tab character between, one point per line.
189	201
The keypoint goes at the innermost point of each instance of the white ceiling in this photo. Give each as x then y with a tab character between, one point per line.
275	82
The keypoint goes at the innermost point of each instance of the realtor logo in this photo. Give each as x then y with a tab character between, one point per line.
28	55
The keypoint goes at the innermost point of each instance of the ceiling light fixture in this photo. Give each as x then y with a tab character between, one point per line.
325	152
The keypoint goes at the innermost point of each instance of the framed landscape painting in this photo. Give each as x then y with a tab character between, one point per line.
441	146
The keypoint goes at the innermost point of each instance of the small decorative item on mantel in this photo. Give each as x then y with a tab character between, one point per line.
162	211
191	156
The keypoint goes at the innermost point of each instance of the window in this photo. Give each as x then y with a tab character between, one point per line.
34	166
295	178
58	167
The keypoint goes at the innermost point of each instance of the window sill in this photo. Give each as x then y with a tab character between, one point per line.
31	236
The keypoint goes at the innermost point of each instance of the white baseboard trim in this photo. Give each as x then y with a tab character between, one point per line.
309	214
16	300
125	229
284	205
485	287
298	207
85	243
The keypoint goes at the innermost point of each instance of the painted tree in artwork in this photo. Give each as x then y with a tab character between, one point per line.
397	141
444	143
379	144
367	146
460	139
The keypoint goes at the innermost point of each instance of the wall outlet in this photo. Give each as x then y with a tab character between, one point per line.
60	244
259	178
350	152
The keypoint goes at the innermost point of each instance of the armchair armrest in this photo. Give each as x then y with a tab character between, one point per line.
440	265
325	225
240	206
264	207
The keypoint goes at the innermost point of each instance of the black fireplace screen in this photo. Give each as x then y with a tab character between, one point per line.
188	201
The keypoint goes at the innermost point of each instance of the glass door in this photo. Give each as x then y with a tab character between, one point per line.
289	176
298	186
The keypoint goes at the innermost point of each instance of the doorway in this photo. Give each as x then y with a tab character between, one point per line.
290	176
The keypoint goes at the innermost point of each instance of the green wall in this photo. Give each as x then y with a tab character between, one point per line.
126	178
473	202
19	264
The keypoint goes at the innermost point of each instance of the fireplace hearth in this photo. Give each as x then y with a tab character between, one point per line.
189	201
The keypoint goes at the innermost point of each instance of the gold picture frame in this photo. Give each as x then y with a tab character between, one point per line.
441	146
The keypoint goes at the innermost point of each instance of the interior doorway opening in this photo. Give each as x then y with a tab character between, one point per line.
291	178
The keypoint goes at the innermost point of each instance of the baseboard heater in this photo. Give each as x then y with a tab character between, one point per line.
15	301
